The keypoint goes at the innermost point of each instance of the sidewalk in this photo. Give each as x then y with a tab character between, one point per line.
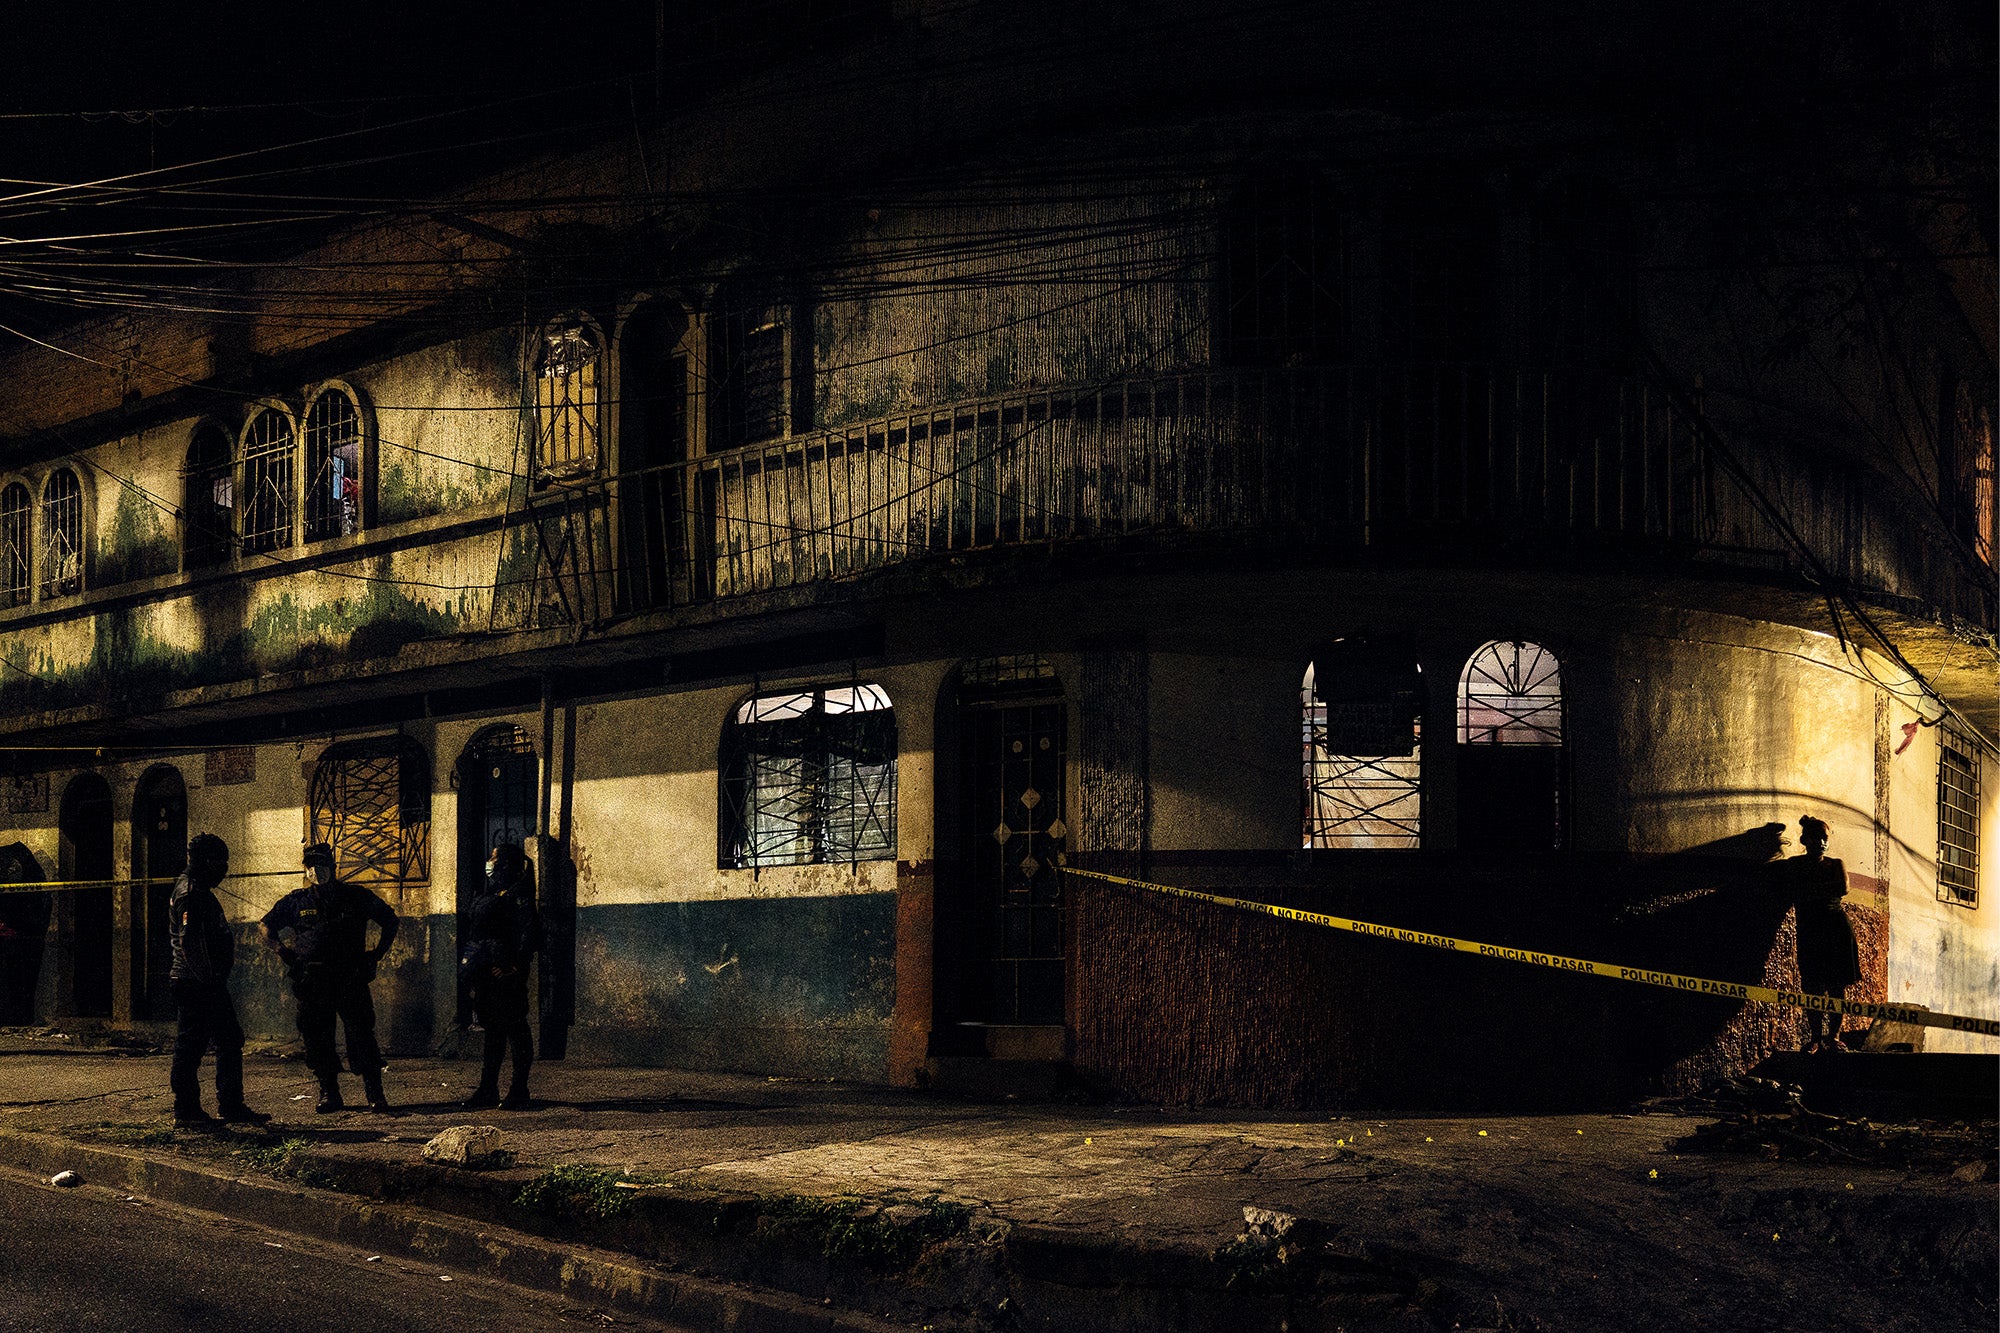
873	1204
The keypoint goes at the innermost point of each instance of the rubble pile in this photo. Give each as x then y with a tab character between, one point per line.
1771	1120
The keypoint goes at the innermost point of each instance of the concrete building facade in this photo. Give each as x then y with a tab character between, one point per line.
1458	520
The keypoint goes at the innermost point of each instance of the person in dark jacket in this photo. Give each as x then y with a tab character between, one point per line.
1829	958
330	963
203	952
502	935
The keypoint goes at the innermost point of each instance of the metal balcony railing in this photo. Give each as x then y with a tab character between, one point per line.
1455	460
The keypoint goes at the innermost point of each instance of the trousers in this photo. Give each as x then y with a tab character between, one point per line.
324	994
501	1006
205	1014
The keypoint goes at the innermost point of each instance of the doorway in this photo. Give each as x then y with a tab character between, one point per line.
653	442
1004	918
85	854
159	851
498	783
24	926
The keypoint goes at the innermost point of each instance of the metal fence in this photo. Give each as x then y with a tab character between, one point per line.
1456	459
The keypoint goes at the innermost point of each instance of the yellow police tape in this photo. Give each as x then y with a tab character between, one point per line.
1728	990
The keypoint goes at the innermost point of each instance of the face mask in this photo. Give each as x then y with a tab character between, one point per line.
322	873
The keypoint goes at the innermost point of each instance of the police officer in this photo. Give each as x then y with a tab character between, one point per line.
501	938
204	949
331	965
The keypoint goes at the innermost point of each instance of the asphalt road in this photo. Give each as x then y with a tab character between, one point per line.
89	1259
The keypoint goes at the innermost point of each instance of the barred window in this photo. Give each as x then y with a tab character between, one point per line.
1512	760
16	559
1511	694
808	778
1363	728
1958	818
62	534
267	482
1282	273
333	466
567	404
208	500
370	801
758	388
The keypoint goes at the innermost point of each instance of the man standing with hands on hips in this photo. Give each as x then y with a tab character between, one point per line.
331	965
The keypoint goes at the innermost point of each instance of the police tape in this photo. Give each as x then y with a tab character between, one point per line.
60	885
1727	990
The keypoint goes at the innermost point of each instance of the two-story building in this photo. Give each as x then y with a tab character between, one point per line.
1493	486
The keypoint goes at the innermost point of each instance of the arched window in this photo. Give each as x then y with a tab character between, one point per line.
16	545
333	466
267	482
1282	276
1363	731
1511	749
809	777
371	802
62	534
208	499
568	406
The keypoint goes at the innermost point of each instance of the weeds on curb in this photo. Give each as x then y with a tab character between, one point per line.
575	1192
856	1230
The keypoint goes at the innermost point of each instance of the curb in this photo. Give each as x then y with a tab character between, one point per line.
579	1273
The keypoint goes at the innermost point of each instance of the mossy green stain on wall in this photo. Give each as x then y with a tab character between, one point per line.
138	545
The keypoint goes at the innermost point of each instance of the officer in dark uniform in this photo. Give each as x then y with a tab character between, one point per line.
204	949
331	965
501	937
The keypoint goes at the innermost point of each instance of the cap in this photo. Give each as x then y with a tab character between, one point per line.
317	852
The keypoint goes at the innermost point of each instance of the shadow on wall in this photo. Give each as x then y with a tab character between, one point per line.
1355	1023
24	926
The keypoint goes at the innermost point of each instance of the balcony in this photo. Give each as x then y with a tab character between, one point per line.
1448	463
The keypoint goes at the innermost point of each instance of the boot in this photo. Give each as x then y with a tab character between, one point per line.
517	1096
371	1085
192	1117
229	1089
329	1097
483	1096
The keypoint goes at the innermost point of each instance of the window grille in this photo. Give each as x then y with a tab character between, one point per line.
333	467
754	397
16	560
371	802
62	534
1283	272
208	500
567	405
810	778
267	482
1511	694
1958	818
1363	764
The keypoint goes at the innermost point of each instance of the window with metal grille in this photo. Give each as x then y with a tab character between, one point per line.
62	534
370	801
1511	694
1363	728
267	501
567	404
333	466
16	550
1282	270
1958	818
208	500
1512	760
809	777
758	392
